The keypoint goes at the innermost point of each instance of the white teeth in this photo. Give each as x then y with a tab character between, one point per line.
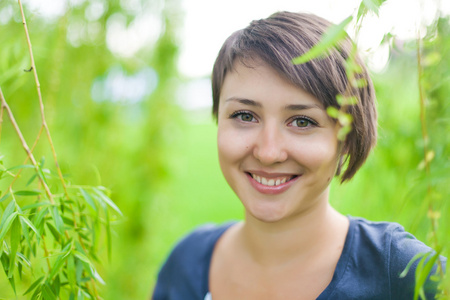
270	182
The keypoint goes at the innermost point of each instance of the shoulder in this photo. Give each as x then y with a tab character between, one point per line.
184	275
391	248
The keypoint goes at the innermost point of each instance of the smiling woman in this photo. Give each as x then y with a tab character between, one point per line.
278	150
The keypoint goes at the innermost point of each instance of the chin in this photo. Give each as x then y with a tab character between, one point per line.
267	214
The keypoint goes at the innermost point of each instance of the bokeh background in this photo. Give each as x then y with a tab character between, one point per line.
126	91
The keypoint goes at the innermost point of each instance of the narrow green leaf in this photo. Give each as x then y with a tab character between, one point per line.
48	293
410	263
330	39
88	199
32	178
107	200
82	257
333	112
71	272
6	196
20	167
60	260
8	211
27	193
26	234
37	293
39	219
58	220
28	222
15	236
34	285
108	234
24	259
53	231
7	225
56	285
13	284
422	273
35	205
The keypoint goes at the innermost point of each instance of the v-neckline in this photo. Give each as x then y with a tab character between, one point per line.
341	265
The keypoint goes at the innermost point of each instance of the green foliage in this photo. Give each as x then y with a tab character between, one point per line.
125	142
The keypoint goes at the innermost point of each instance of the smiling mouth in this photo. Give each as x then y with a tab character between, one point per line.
272	181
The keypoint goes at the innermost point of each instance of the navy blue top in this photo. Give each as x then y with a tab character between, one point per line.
374	255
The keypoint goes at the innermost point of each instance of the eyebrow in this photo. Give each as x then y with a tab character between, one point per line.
287	107
244	101
302	106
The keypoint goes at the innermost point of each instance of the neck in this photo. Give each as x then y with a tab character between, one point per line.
295	238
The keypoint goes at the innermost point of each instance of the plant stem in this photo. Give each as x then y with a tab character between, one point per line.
24	145
41	103
425	139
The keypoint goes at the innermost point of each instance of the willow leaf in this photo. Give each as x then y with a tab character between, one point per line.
34	285
48	293
6	196
16	234
5	227
26	221
8	211
89	199
58	220
60	260
107	200
27	193
329	40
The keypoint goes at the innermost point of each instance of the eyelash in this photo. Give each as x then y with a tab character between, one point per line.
312	123
240	113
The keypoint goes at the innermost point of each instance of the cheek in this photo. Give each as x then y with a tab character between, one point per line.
318	154
231	145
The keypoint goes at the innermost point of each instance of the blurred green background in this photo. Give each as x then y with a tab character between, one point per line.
160	160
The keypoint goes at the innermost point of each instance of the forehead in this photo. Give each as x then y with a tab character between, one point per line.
260	82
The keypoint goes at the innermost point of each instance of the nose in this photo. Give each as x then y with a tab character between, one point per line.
270	146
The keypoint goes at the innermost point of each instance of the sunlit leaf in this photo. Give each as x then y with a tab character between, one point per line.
88	199
411	262
5	227
27	193
329	40
58	220
107	200
21	167
53	231
8	211
34	285
15	236
48	293
62	257
6	196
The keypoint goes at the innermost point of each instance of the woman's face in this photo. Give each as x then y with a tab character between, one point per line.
278	148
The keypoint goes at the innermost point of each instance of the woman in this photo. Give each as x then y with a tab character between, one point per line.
278	150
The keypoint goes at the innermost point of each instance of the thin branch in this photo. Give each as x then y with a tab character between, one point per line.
24	145
425	138
26	159
1	121
41	103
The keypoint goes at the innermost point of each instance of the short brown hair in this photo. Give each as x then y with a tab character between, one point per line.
280	38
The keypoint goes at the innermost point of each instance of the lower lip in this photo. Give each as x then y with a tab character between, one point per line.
271	190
